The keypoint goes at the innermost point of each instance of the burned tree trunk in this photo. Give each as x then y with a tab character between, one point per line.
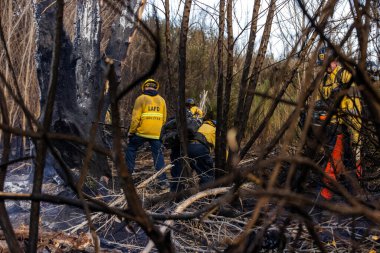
248	96
47	116
224	91
247	62
229	80
220	89
181	115
171	99
80	79
246	69
5	223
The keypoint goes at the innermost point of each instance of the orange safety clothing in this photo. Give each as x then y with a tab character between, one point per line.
334	166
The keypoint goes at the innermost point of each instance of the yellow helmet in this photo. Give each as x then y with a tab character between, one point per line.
150	83
323	54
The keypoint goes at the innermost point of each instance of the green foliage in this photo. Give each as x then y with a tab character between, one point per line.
201	74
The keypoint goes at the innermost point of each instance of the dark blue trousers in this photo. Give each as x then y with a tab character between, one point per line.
135	143
200	161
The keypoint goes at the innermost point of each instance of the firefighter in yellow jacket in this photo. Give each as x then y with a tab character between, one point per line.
343	140
195	110
199	151
148	117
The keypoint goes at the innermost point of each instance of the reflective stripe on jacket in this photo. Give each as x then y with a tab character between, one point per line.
148	116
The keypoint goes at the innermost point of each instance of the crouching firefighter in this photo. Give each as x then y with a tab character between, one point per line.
200	145
148	117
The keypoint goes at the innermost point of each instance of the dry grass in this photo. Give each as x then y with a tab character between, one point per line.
222	224
215	229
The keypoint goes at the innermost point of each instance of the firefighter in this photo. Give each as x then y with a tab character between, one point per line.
148	117
373	70
342	147
199	151
195	110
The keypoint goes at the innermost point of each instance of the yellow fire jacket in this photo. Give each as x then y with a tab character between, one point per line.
350	108
196	111
208	129
148	116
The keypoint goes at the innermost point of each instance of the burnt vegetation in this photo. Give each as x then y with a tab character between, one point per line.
64	182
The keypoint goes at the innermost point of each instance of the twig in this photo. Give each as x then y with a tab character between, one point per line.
157	174
183	205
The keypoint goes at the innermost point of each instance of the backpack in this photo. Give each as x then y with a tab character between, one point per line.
169	134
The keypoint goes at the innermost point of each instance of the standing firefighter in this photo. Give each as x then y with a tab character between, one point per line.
342	147
195	110
148	117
